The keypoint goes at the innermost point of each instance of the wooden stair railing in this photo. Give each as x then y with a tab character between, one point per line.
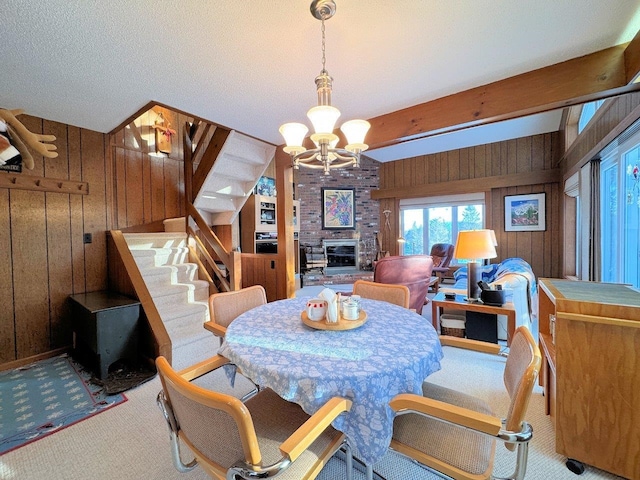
125	278
205	240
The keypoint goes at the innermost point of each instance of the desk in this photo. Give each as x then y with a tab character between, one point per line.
392	353
508	309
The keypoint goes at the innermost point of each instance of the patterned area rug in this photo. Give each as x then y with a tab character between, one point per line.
42	398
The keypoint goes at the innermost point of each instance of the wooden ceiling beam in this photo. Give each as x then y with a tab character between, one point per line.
598	75
632	59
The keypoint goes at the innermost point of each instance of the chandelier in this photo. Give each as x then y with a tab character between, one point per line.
323	117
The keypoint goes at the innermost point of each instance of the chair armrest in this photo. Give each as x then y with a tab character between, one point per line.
217	330
470	344
202	368
406	402
307	433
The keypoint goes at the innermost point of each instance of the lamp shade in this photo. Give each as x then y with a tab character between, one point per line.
293	134
474	245
355	131
494	240
324	118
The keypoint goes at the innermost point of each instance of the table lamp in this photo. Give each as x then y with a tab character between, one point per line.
472	246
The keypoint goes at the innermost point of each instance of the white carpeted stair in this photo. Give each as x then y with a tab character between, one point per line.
182	302
180	297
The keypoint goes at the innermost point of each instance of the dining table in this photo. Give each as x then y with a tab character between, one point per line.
392	352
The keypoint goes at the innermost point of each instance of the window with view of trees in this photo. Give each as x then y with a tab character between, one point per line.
443	223
620	213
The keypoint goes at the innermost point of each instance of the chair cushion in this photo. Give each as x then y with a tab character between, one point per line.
274	420
456	446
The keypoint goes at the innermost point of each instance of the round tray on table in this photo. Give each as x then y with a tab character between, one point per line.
342	323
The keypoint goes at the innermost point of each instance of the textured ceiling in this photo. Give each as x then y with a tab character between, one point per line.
250	65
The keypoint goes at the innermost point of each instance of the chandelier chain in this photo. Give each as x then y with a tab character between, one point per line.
323	49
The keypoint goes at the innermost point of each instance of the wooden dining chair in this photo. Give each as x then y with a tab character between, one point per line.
261	438
396	294
455	434
225	307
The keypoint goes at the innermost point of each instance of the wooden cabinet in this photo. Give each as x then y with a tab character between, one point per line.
259	228
591	374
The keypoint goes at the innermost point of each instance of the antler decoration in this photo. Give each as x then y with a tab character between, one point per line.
21	136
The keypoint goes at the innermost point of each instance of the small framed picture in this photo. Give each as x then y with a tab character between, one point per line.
524	213
266	186
338	209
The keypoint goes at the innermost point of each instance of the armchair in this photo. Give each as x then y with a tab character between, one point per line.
258	439
413	271
442	253
465	426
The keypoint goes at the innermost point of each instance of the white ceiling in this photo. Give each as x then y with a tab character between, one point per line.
250	65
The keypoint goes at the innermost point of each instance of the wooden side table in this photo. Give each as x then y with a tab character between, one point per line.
105	326
438	303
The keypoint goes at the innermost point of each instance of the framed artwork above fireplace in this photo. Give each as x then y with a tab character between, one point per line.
338	208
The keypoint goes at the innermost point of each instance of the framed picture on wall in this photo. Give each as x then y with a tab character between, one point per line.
266	186
524	213
338	209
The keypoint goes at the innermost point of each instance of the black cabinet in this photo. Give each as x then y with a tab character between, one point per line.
105	326
482	326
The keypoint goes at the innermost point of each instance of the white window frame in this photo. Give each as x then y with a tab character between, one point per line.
616	158
437	202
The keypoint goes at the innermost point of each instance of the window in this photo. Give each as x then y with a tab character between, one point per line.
620	213
588	111
444	217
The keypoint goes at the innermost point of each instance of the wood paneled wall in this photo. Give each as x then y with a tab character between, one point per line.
44	259
610	120
520	157
147	188
41	233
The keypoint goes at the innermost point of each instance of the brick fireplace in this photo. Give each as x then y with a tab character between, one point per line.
308	185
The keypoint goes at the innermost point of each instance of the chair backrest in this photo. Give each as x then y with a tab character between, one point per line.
225	307
413	271
217	427
520	374
396	294
442	253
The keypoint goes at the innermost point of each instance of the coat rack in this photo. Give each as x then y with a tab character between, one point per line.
41	184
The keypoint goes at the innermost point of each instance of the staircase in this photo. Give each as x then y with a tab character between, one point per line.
180	297
182	302
233	173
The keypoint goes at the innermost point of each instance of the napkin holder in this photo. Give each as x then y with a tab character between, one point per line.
333	302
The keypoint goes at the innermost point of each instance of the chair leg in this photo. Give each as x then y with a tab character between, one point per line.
522	455
348	459
368	470
165	408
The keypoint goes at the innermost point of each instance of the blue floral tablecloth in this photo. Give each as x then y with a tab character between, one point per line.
393	352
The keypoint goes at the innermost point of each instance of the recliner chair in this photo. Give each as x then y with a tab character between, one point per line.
413	271
442	253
